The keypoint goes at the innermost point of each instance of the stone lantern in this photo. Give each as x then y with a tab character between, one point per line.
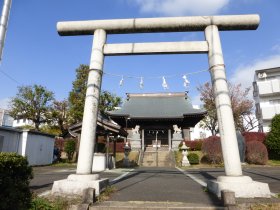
185	161
127	150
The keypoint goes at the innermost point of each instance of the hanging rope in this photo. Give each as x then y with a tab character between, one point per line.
165	86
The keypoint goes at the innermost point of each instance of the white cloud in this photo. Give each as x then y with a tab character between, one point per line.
245	73
4	103
181	7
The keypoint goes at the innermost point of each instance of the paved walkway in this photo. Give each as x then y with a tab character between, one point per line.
158	186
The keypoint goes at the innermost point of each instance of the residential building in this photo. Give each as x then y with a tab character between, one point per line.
5	118
267	96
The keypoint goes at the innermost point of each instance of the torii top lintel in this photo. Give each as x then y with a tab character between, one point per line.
166	24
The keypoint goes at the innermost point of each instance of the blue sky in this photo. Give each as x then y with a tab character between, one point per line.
35	54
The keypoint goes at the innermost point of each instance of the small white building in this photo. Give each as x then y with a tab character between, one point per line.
267	96
22	122
36	146
197	132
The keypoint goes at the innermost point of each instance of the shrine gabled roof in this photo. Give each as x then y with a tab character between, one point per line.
156	105
103	122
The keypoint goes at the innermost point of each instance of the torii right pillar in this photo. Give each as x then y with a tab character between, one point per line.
243	186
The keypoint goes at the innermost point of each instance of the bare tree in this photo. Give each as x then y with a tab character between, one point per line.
241	106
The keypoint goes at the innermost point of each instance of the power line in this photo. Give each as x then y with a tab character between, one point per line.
10	77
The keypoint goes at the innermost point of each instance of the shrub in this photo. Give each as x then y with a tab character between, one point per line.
40	203
273	138
211	148
254	136
59	143
193	158
256	153
69	148
15	175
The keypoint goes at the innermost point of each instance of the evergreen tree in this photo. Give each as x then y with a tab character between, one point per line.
32	103
77	95
76	98
60	116
273	139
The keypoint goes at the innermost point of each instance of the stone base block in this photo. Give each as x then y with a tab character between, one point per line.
185	163
228	198
75	184
135	144
242	186
175	143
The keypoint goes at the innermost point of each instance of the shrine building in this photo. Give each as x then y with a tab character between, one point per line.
157	119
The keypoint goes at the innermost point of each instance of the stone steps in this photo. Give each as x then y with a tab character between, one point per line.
151	205
157	159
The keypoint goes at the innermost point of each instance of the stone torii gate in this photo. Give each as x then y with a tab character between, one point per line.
243	186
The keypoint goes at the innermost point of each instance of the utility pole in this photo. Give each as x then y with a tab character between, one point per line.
4	24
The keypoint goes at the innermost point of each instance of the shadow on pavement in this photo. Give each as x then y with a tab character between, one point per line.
36	187
255	173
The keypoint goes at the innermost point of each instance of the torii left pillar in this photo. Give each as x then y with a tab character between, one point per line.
83	179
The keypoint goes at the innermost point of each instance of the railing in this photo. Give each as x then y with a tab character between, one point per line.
268	112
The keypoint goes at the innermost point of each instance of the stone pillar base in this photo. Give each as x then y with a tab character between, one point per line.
75	184
243	186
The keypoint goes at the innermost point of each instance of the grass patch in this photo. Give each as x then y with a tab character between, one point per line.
52	203
274	162
64	164
106	194
265	206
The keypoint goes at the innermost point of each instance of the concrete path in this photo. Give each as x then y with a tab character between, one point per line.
44	176
171	188
161	185
162	188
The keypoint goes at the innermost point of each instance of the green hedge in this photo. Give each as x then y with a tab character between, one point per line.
193	158
15	175
272	141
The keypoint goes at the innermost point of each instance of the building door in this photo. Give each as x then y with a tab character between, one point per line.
153	136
